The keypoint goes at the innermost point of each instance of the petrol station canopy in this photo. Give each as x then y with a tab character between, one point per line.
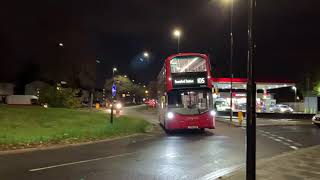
241	83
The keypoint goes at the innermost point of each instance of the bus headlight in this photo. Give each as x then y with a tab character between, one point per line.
170	115
213	113
119	106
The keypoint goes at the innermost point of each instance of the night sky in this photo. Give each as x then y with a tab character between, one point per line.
117	32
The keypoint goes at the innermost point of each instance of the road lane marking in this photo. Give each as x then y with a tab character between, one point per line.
287	144
297	144
80	162
279	140
294	147
222	172
290	143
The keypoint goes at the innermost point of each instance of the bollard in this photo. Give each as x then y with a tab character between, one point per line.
97	105
240	117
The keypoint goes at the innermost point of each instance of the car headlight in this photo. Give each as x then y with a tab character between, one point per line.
314	118
213	113
170	115
118	106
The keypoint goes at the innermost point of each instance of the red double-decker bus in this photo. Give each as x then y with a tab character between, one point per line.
184	92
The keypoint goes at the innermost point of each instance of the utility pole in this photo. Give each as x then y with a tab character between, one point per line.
251	97
231	60
113	89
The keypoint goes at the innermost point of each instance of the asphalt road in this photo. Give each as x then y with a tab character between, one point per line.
184	155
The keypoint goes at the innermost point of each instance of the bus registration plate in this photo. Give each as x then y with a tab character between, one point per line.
192	127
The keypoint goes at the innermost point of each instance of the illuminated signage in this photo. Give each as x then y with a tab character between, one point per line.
183	81
195	79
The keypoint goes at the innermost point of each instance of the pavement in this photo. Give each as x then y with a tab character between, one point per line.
182	155
302	164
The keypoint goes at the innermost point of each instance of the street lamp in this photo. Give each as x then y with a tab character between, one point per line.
177	34
114	69
251	97
146	54
61	44
230	2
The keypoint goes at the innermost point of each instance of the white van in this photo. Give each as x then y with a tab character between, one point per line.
22	99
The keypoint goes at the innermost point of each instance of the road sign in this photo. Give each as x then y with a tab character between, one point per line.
114	90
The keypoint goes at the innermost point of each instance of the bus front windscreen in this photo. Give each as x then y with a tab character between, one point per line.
189	102
182	64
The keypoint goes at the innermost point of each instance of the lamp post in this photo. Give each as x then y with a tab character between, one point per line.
251	97
112	97
230	2
177	34
93	89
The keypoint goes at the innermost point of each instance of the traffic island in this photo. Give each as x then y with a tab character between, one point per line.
35	126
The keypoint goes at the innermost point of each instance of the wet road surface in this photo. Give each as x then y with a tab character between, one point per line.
183	155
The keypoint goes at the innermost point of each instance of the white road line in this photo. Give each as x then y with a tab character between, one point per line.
222	172
80	162
287	144
279	140
294	147
297	144
282	139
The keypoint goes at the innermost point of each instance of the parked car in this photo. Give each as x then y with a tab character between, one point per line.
281	108
316	120
222	106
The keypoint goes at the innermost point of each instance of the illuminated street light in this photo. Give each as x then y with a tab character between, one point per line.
125	76
146	54
227	1
61	44
114	69
146	92
177	34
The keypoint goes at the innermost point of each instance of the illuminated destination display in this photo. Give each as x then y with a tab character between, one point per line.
183	81
189	82
190	79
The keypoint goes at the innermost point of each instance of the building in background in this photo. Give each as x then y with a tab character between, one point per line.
6	89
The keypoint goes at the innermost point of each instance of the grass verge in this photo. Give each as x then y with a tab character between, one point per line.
30	126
